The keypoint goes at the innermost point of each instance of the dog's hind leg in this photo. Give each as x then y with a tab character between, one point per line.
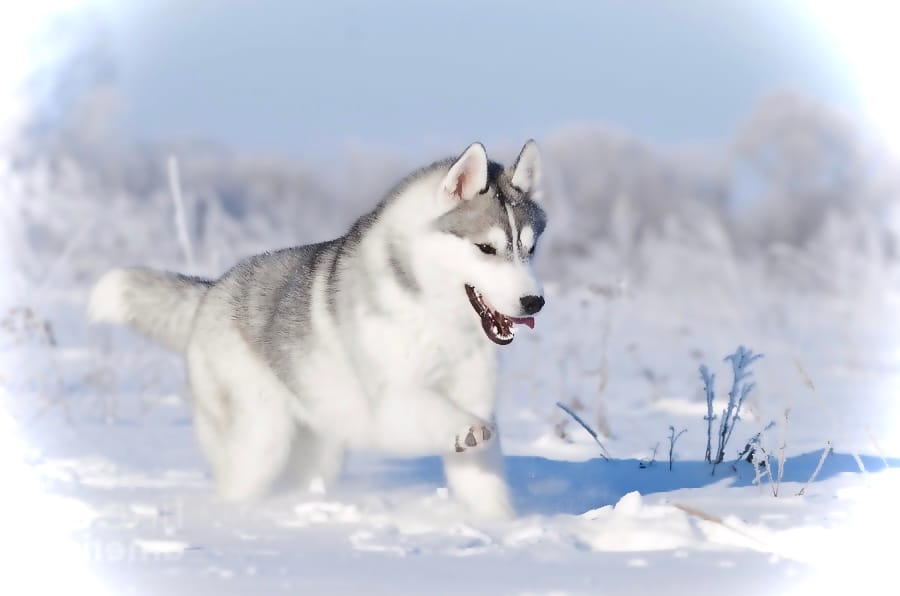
210	411
257	444
314	463
242	422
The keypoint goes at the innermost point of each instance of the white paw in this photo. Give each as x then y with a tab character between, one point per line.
473	437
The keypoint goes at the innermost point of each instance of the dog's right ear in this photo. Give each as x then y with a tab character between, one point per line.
468	174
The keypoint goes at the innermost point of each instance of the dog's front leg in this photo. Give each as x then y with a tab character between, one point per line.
475	478
419	421
425	421
474	469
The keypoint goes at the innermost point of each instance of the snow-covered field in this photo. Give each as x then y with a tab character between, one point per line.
108	426
104	424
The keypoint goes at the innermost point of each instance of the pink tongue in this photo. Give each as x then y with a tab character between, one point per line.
523	321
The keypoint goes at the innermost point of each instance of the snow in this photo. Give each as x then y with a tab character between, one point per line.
147	521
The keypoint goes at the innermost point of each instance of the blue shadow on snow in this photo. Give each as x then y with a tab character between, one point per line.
548	486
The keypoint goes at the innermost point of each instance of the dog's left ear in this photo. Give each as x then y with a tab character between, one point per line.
468	174
527	170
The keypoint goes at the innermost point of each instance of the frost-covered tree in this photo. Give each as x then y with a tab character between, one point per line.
792	162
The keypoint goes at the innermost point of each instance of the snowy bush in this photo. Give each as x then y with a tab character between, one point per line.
740	361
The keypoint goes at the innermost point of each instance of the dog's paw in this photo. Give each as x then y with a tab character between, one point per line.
473	437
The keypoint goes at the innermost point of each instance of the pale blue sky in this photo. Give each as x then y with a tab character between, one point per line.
300	77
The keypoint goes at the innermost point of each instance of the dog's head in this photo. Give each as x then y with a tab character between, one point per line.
491	224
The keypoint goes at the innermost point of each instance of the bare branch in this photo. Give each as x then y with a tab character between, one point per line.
604	454
818	469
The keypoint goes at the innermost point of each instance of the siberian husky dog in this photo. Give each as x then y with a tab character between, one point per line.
383	339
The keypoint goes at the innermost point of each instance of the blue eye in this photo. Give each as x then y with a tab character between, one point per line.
487	249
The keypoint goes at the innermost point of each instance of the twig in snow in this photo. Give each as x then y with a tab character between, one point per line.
830	412
781	451
757	469
609	296
709	384
645	464
818	469
878	449
740	361
180	218
752	453
604	453
719	521
672	438
768	461
740	388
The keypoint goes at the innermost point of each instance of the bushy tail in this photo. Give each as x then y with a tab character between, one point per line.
160	305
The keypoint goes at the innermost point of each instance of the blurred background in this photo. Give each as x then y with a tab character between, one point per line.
716	172
737	125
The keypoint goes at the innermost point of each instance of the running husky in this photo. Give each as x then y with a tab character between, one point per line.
381	339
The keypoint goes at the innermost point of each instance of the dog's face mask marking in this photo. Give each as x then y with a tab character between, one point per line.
497	220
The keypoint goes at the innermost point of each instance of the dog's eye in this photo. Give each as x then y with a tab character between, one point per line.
487	249
531	250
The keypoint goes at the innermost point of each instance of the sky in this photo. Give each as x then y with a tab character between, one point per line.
297	77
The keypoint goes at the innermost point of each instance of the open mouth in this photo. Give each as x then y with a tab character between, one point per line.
498	327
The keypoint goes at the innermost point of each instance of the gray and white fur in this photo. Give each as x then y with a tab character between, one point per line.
381	339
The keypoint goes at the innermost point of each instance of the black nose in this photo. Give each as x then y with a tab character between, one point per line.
532	304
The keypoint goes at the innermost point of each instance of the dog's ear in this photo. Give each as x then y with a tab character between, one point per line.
468	174
527	170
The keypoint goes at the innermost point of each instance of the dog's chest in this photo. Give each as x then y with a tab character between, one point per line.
418	346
